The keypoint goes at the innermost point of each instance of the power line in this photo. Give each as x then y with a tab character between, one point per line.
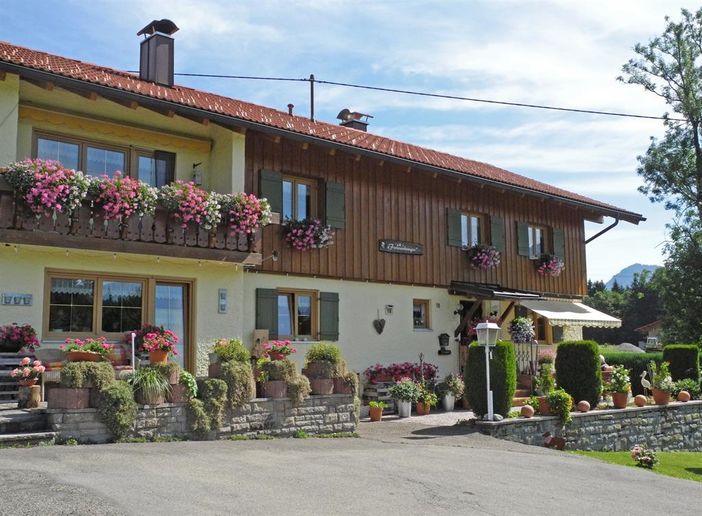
434	95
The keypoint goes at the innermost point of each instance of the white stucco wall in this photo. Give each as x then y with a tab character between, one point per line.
359	303
9	101
23	272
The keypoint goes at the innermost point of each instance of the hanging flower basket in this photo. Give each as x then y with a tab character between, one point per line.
521	330
307	234
483	256
549	265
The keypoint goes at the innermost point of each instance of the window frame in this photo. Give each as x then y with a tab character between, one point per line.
293	294
314	194
531	229
427	314
467	216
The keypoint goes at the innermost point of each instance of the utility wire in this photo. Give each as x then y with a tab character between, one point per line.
434	95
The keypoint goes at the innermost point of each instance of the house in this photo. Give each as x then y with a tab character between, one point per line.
401	216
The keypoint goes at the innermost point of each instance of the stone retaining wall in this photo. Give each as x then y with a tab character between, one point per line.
318	414
677	426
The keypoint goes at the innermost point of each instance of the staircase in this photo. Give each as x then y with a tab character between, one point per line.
23	426
8	385
521	395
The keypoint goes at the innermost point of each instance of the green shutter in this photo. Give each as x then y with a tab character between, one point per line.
523	238
559	243
497	233
328	316
267	311
271	188
453	223
335	211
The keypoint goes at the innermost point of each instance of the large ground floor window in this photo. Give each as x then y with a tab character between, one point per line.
109	305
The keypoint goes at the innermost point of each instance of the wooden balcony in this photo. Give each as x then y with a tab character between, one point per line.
157	235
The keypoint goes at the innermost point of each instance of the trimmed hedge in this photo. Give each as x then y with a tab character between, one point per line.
503	378
578	370
684	361
636	363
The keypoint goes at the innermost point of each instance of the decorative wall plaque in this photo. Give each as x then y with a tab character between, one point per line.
400	247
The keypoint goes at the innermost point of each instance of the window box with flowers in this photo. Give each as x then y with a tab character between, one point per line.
483	257
87	350
307	234
549	265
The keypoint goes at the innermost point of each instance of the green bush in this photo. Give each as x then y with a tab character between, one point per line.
274	370
214	396
503	378
241	387
323	351
689	385
636	363
578	370
76	375
117	408
198	419
233	349
684	360
298	389
560	404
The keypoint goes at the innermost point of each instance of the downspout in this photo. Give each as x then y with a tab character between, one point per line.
611	226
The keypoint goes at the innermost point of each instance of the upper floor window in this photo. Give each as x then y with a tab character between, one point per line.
470	230
299	198
537	241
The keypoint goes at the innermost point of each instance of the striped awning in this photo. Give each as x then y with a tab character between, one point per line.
569	313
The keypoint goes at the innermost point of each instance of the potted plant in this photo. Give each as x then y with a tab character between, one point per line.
375	410
662	385
321	361
150	386
279	349
549	265
453	387
561	404
619	386
227	350
275	376
184	390
14	337
28	372
425	400
404	392
160	346
544	384
88	350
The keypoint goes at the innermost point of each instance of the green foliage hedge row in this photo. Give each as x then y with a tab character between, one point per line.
684	360
636	363
578	370
503	378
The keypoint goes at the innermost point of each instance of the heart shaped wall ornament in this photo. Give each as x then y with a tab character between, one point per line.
379	325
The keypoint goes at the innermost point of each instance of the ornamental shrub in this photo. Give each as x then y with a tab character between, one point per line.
232	349
578	370
117	408
323	351
214	396
76	375
503	378
636	363
240	382
198	419
684	360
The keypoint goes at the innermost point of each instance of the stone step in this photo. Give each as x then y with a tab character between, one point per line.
25	438
522	393
14	421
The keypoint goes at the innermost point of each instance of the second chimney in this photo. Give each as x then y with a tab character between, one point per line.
156	59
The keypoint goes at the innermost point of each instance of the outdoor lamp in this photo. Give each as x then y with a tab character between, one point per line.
487	336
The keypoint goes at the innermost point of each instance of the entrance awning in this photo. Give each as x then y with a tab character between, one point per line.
566	313
488	291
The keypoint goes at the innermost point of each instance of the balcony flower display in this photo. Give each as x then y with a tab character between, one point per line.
190	203
549	265
48	187
307	234
244	213
14	337
521	330
28	371
278	349
483	256
121	196
394	372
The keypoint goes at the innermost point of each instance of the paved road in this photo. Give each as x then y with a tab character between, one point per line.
394	468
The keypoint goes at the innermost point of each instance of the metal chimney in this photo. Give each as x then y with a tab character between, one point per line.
156	59
353	119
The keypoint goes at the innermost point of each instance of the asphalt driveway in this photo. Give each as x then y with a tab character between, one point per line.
393	468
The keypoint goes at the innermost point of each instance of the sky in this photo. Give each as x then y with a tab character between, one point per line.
564	53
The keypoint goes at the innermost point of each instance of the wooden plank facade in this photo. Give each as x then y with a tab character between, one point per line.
388	201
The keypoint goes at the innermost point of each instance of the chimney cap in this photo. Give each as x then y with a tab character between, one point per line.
163	26
347	115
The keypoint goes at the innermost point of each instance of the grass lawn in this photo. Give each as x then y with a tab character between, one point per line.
687	465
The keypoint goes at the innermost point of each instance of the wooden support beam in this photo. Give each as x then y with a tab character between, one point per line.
45	85
507	311
130	104
435	175
467	317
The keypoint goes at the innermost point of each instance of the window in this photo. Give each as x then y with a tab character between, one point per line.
420	314
297	315
155	168
470	230
537	241
299	199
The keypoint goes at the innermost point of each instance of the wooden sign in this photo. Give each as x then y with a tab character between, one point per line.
400	247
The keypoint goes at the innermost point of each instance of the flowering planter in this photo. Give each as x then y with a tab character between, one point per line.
84	356
274	355
158	357
321	386
342	387
620	399
423	409
404	408
275	389
660	397
64	398
375	413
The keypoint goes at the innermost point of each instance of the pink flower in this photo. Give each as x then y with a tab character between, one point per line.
25	361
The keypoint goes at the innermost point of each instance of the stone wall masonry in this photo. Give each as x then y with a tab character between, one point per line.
278	417
674	427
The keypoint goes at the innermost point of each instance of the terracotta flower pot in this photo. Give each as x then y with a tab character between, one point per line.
375	413
274	355
158	357
275	389
544	406
84	356
619	399
321	386
149	399
660	397
341	387
423	409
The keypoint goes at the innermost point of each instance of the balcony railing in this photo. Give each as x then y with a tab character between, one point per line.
160	234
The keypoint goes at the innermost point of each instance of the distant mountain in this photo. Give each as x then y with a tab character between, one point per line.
626	276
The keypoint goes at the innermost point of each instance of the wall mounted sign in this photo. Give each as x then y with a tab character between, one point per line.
13	298
400	247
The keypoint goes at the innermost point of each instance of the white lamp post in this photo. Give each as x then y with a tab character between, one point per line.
487	336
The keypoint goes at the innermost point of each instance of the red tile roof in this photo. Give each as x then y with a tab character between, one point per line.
238	109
